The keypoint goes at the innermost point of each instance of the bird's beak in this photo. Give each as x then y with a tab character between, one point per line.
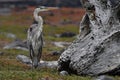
49	8
52	8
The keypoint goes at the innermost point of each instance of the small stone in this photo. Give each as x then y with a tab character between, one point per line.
67	34
1	53
56	53
23	59
18	44
104	77
48	64
10	35
64	73
61	44
42	79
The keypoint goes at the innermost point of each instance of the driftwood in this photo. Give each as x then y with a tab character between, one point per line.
17	44
42	64
97	50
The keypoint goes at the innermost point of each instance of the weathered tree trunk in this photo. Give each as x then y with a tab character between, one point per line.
97	50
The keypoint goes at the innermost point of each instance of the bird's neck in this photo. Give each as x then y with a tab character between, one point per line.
38	18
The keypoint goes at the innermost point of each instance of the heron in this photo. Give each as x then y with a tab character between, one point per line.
35	36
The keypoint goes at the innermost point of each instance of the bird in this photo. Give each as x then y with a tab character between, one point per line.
35	36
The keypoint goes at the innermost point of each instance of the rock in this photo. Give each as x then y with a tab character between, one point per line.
57	35
42	64
10	35
57	52
46	78
42	79
66	34
1	53
64	73
48	64
23	59
18	44
104	77
61	44
97	50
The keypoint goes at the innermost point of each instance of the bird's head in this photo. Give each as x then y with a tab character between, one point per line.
43	8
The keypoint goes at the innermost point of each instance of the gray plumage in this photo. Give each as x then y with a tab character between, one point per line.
35	38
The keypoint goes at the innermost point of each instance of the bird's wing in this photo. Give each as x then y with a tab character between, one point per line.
31	33
34	36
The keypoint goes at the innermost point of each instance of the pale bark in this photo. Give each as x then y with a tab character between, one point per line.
97	50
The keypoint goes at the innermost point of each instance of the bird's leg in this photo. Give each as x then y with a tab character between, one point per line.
30	51
40	48
31	55
39	53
